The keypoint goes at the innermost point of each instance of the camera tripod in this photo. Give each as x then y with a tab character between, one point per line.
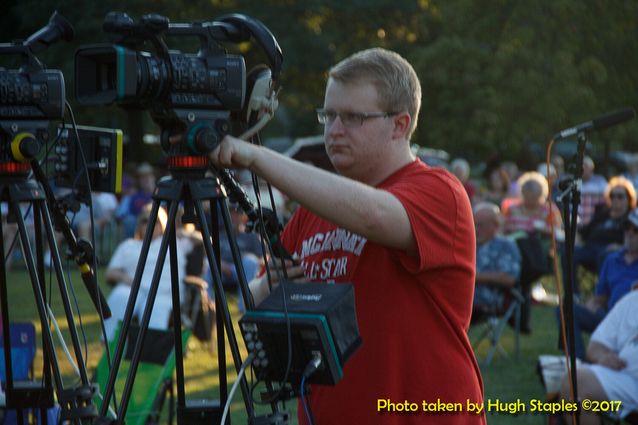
190	187
75	403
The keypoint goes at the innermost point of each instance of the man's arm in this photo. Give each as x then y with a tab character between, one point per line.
117	275
498	278
596	302
372	213
600	354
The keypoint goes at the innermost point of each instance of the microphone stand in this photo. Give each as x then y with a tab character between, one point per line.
570	218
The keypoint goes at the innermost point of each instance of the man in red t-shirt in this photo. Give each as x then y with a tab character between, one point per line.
400	231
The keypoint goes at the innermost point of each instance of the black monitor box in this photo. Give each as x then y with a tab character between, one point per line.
320	319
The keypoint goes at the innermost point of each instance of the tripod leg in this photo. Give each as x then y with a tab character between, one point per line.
130	307
36	285
220	307
4	306
57	265
219	294
249	303
177	322
148	309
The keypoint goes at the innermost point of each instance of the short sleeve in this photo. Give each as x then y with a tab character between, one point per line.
441	219
122	252
607	332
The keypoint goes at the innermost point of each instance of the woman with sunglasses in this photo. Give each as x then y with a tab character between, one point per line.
605	232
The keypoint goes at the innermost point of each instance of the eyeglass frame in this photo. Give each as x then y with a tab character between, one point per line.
355	119
618	195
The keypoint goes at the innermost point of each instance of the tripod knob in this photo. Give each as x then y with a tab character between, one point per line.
206	140
25	147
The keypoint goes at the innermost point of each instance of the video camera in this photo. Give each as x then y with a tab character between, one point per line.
190	94
30	97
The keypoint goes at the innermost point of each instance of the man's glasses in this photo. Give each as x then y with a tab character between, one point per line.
349	119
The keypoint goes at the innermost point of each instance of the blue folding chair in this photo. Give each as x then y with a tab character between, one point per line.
23	349
22	352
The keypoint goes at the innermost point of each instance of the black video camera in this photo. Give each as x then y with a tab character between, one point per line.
190	94
30	97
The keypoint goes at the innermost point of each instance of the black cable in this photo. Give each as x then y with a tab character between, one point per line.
77	308
94	259
93	238
305	403
234	189
256	188
309	370
264	234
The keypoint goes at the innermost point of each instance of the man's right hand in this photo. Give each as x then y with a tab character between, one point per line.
612	361
234	153
294	272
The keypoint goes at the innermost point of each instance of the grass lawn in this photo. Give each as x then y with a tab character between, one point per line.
506	379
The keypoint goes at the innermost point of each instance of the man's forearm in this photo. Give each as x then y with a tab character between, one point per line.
369	212
118	276
499	278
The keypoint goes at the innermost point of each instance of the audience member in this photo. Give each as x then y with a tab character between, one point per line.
498	185
121	271
498	260
604	233
131	205
613	370
104	206
592	192
531	214
249	247
618	274
512	172
461	169
559	164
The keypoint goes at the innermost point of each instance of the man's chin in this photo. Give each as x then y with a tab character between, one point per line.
341	163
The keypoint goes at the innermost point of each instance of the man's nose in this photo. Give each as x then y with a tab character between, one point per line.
336	126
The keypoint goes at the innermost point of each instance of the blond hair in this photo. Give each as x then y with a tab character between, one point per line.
398	86
620	181
531	178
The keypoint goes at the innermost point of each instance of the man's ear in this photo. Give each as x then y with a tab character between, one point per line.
402	122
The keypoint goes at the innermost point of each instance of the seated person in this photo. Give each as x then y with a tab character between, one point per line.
249	245
132	204
618	274
531	213
605	231
121	271
613	354
498	261
461	169
591	192
529	220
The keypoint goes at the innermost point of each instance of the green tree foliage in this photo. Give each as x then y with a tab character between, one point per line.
495	75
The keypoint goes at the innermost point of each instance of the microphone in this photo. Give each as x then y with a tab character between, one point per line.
599	123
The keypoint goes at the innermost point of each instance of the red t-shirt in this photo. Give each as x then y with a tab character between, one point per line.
413	313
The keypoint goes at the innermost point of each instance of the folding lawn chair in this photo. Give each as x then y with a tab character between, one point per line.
494	318
22	352
154	377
